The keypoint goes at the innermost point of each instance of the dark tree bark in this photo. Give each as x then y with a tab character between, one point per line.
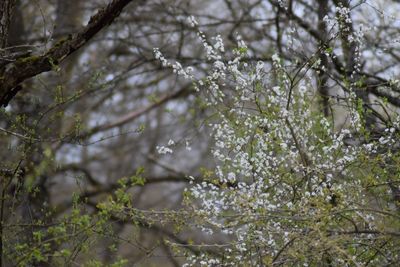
6	7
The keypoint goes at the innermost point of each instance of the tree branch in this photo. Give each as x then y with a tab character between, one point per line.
28	67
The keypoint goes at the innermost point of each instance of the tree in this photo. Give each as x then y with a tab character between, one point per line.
292	185
100	139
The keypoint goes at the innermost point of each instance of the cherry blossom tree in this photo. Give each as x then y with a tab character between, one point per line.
293	186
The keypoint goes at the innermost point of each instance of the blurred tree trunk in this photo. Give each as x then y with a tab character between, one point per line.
6	7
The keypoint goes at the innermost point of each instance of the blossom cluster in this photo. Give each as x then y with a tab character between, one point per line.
284	172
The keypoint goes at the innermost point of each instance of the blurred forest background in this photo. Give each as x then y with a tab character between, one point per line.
73	123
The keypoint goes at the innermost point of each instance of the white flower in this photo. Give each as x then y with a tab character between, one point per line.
164	150
188	147
383	141
219	45
231	177
192	21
